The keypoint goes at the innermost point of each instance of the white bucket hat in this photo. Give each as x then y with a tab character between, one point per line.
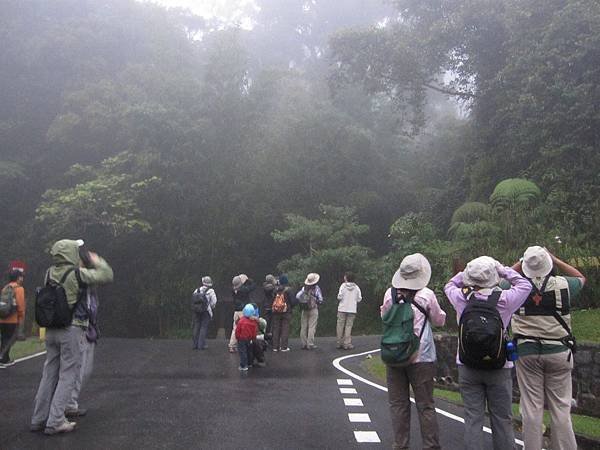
414	273
481	272
207	281
243	277
312	279
537	262
237	282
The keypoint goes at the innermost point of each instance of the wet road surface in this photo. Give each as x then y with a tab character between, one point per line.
161	394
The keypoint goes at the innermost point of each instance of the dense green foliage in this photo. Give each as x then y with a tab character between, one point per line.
326	138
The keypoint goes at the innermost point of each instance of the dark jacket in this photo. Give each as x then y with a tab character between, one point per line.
269	290
241	297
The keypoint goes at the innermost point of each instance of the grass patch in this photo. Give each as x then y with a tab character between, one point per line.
584	425
28	347
585	324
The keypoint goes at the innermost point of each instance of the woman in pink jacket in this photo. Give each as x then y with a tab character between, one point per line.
410	281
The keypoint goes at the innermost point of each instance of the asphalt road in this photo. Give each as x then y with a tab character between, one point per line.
160	394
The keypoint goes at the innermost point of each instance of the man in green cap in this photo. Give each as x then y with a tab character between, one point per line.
64	345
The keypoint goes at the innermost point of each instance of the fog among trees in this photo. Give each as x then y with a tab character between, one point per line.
328	136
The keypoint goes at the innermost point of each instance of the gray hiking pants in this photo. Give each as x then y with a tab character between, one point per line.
494	389
87	365
200	330
63	361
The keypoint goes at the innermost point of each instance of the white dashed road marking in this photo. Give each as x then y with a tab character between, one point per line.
344	382
359	417
338	366
353	402
348	391
366	436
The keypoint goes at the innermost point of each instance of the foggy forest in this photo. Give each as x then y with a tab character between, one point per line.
311	136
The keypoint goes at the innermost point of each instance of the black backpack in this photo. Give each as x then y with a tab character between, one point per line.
51	306
200	300
481	334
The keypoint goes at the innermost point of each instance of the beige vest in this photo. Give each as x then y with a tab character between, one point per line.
528	322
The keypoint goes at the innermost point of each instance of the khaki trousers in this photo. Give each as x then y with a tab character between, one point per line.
419	376
232	340
344	328
308	326
546	377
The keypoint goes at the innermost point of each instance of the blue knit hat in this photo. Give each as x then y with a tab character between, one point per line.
283	279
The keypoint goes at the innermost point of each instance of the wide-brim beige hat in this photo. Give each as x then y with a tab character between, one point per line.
414	273
312	279
481	272
237	282
537	262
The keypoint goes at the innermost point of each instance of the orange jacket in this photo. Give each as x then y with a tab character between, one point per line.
19	315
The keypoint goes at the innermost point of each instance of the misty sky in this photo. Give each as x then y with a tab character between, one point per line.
235	11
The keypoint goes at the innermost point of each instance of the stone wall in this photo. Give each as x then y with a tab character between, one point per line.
586	374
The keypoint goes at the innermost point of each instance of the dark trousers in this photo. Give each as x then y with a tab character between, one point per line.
245	351
419	376
258	350
201	322
8	336
281	329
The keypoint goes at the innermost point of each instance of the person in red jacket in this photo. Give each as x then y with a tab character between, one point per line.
9	325
245	332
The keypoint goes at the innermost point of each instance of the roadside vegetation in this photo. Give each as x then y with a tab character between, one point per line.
28	347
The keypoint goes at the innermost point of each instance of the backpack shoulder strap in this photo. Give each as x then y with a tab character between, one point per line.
540	290
424	312
394	294
67	273
493	298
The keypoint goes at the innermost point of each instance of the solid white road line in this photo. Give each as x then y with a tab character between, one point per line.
344	382
348	391
25	358
366	436
359	417
338	366
353	402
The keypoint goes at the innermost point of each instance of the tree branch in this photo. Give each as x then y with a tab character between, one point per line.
450	91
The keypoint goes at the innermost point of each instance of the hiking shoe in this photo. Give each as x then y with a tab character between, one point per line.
243	369
338	346
37	427
76	413
232	350
261	364
312	347
348	347
304	347
65	427
275	349
287	349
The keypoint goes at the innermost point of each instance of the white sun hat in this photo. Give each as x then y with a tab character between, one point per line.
481	272
312	279
414	273
537	262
